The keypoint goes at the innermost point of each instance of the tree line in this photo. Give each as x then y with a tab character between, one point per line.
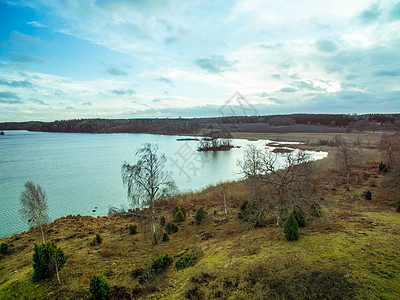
195	125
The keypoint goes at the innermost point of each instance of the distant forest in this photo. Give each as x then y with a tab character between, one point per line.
198	126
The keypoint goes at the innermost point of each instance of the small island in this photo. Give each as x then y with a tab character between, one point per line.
282	150
215	143
187	139
1	132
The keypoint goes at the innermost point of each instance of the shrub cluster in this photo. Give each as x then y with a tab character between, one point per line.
383	168
162	221
315	210
47	258
291	228
161	263
398	206
179	214
99	287
165	237
200	215
286	279
4	249
171	228
249	212
186	260
97	240
368	195
133	229
244	210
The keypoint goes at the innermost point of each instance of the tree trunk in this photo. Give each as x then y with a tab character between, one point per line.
226	212
153	221
58	275
41	229
279	216
348	179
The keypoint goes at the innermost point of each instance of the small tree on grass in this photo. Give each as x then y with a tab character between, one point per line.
34	206
132	229
291	229
48	260
398	206
171	228
200	215
97	240
179	217
368	195
99	287
162	221
165	237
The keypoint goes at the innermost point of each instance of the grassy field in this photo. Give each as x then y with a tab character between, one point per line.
350	252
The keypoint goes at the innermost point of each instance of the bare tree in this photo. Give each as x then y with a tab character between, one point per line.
287	183
147	181
346	156
251	167
285	178
34	206
390	145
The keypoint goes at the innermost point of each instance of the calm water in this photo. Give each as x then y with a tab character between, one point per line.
82	171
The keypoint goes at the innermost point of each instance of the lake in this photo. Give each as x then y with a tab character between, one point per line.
82	171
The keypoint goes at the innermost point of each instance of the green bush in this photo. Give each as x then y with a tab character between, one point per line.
171	228
398	206
243	212
97	240
200	215
291	228
179	217
178	208
99	287
315	210
45	258
161	263
132	229
300	217
186	260
4	249
165	237
368	195
383	167
162	221
252	213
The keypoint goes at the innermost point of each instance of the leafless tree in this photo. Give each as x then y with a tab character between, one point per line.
147	181
251	167
287	183
285	178
346	156
390	146
34	206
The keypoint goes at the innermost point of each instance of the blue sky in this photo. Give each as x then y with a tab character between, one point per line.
64	59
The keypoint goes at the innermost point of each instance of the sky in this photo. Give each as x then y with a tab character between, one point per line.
75	59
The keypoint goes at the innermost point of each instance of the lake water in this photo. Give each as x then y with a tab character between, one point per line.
82	171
